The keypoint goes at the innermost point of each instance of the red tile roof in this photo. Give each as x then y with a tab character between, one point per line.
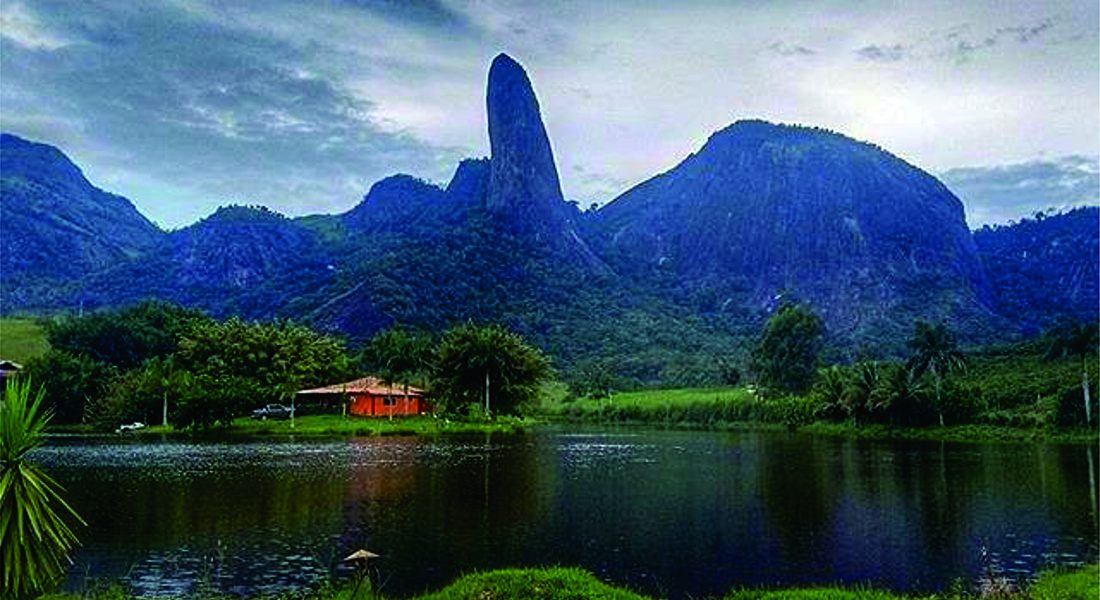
366	385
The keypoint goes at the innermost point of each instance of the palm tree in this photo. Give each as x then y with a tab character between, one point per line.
35	539
935	351
398	356
901	394
1081	341
832	389
859	397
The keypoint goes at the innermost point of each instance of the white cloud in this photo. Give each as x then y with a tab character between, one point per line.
20	26
627	90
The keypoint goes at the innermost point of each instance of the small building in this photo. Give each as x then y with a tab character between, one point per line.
368	397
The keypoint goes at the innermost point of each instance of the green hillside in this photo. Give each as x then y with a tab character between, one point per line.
21	338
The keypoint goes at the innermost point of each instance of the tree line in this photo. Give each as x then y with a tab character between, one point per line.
923	389
159	362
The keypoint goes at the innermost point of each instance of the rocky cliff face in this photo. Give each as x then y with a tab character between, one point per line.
765	212
1045	270
398	203
241	260
470	182
55	224
524	194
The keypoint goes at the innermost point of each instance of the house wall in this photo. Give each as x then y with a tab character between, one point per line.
372	405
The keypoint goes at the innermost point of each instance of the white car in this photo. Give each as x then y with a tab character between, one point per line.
130	427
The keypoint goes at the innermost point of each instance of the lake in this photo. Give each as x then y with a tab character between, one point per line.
669	513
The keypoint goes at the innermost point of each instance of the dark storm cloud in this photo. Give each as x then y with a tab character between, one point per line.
1001	193
225	111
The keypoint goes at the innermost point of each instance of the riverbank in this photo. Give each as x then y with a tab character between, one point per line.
322	426
737	408
337	426
560	583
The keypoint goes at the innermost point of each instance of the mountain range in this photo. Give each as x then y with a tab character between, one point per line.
656	284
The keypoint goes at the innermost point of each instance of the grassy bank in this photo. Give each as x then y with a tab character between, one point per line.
734	408
327	425
954	433
571	584
361	426
698	407
21	339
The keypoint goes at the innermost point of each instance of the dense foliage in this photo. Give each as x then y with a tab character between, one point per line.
35	534
935	352
125	338
1044	269
155	360
786	357
70	382
487	366
398	355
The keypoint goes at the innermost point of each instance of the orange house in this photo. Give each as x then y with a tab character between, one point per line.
369	397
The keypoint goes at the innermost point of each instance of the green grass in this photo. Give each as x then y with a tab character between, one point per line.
725	408
21	339
562	583
658	399
712	408
1072	584
536	584
337	425
953	433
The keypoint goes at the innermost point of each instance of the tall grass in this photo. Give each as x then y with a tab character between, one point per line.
700	407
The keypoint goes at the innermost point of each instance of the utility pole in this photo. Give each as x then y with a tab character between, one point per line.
486	391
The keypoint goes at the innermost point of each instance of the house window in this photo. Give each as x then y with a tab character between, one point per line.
389	401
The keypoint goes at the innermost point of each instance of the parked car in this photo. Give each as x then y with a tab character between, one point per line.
272	411
128	427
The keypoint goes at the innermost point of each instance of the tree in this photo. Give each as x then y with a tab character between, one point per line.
35	539
785	358
593	379
487	363
1078	340
936	352
728	373
125	338
146	394
902	396
859	396
71	382
238	365
398	355
831	391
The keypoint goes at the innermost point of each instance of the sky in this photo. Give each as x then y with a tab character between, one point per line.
183	106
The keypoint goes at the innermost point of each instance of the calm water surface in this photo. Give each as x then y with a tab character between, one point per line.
673	513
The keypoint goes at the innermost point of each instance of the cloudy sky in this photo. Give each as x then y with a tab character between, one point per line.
185	105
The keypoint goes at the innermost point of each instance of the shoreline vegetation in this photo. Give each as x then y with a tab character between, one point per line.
337	426
155	361
317	425
561	583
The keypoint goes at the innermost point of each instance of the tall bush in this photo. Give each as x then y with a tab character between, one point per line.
35	538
